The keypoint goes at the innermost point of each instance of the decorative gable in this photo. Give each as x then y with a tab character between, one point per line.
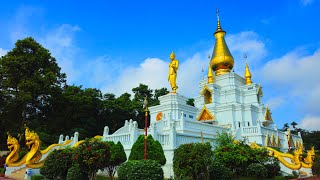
205	115
207	93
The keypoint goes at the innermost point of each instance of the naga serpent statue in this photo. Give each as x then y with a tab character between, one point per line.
308	161
33	143
14	148
296	159
33	157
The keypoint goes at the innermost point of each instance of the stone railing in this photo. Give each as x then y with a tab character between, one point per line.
125	139
204	127
247	131
185	139
163	139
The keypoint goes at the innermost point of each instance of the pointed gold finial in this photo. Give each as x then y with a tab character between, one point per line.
221	61
218	17
210	74
247	73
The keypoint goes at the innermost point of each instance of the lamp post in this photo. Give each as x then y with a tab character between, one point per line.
145	103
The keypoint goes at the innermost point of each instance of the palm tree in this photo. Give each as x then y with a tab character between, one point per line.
293	124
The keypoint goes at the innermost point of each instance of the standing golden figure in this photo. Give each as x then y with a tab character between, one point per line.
173	69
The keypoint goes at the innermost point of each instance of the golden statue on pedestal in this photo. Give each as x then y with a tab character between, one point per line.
173	68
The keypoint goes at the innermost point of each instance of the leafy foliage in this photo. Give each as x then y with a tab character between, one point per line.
237	156
57	164
140	169
192	160
37	177
219	171
273	167
190	101
117	157
257	170
75	173
154	150
91	156
316	165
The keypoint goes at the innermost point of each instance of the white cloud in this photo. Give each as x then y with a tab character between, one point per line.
298	72
311	123
306	2
152	72
2	52
275	102
60	42
249	43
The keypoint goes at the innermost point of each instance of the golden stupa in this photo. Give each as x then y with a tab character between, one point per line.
221	60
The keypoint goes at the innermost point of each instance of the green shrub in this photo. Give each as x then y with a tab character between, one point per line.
154	150
57	164
140	169
2	170
219	171
91	156
279	178
257	170
37	177
117	157
192	160
273	168
316	165
75	173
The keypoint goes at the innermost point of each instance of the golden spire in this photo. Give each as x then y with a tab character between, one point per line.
221	61
247	73
210	75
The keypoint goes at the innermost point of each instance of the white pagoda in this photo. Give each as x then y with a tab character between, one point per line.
227	102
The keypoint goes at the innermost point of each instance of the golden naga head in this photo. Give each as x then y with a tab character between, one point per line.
298	154
11	142
172	56
31	137
311	153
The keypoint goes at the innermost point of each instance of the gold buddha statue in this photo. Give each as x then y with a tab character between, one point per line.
173	69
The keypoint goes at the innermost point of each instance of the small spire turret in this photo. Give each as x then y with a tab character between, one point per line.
247	75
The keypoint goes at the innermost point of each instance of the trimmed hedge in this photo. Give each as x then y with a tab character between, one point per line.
154	150
140	169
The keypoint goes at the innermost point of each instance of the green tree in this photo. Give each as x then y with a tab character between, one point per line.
30	79
91	156
157	94
117	157
294	124
154	150
192	161
57	164
316	165
285	127
190	101
237	155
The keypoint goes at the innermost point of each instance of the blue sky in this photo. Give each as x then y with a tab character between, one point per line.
115	45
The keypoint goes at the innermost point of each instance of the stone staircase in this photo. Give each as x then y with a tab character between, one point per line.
18	174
